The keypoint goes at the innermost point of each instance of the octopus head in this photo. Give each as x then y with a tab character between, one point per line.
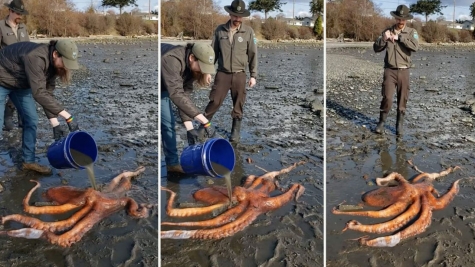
240	193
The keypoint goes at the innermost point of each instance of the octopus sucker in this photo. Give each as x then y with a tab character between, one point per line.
389	226
418	191
93	206
419	226
186	212
392	210
228	216
253	200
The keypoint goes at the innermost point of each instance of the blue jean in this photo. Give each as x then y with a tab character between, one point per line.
167	130
25	104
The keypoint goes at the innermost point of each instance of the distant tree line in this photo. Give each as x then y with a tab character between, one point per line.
199	19
60	18
362	20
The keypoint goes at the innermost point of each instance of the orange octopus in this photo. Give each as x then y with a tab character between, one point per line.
406	200
253	198
93	207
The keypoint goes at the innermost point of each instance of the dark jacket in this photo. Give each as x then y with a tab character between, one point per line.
8	37
398	54
26	65
177	78
241	53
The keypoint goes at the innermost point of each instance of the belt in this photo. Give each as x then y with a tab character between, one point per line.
399	68
231	72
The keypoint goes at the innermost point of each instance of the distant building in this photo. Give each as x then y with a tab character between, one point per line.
468	25
307	21
293	22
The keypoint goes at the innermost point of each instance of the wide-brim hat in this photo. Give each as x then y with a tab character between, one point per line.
238	9
402	12
17	6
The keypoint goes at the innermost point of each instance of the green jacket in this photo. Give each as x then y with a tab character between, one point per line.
241	53
398	54
7	36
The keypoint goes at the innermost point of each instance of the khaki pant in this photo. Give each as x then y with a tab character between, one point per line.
223	82
395	80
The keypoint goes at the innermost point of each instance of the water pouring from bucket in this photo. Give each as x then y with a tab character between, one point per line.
78	150
214	158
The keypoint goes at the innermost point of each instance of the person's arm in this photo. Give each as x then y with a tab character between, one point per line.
411	41
380	43
170	75
215	45
252	55
35	67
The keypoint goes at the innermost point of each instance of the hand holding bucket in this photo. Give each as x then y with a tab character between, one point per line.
76	150
199	159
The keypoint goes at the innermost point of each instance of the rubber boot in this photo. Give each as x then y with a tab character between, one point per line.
382	118
399	123
235	131
8	118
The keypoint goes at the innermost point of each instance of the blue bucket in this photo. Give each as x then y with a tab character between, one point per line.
197	159
59	153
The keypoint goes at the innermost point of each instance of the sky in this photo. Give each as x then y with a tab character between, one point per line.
462	11
302	8
142	5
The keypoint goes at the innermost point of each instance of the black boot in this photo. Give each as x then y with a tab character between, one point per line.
399	123
235	131
382	118
8	118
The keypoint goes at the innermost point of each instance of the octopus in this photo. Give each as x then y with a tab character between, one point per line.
252	199
92	206
407	201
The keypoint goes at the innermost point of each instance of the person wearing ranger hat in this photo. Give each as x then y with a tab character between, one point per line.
399	41
180	68
28	73
235	46
12	30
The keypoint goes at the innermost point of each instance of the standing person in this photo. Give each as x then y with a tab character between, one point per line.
180	67
12	30
235	47
399	41
28	72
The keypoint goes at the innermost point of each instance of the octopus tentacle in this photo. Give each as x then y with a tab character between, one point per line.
46	209
226	217
419	226
249	180
443	201
216	233
51	226
389	226
272	203
432	176
272	175
391	177
135	210
123	180
185	212
392	210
